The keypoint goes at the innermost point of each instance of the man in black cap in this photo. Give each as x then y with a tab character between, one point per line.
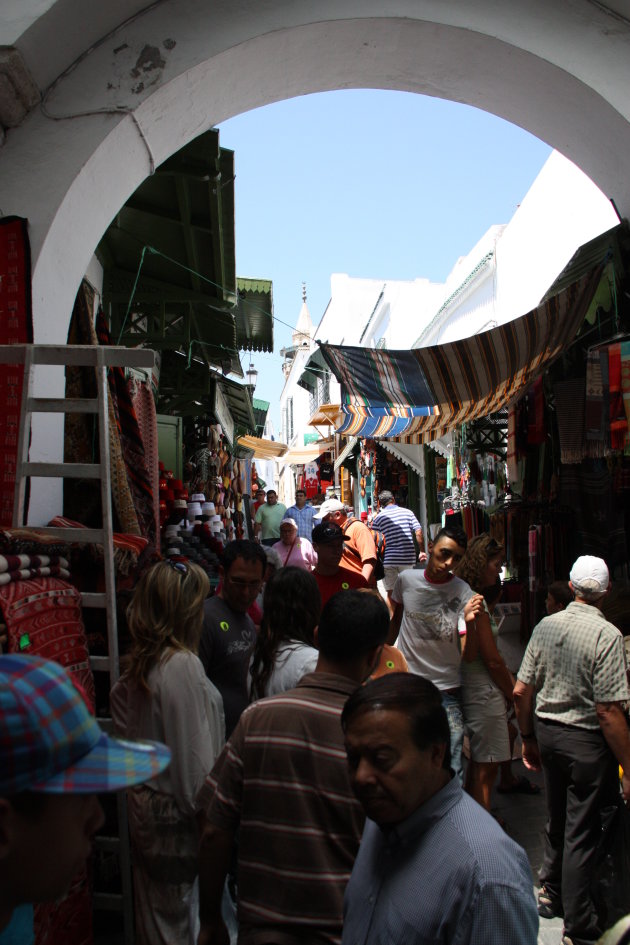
328	541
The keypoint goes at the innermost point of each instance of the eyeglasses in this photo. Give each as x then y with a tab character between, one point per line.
178	566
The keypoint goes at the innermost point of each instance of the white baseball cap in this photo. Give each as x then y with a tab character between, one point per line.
330	505
590	574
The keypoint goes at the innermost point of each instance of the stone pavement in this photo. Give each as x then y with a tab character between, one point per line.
524	815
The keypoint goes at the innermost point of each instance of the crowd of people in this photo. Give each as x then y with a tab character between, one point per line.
293	746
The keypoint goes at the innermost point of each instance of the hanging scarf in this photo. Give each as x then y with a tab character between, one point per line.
625	383
618	421
570	415
536	414
594	408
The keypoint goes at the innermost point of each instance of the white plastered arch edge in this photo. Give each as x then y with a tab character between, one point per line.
70	177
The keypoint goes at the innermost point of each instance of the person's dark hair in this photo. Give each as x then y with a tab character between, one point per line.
455	532
245	549
291	608
352	623
414	696
561	592
491	594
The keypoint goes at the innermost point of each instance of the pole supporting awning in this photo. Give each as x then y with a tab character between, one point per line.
350	445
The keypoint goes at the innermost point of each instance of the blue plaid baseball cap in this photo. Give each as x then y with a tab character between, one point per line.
49	742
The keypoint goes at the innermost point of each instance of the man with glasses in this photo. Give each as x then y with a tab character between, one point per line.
229	633
302	514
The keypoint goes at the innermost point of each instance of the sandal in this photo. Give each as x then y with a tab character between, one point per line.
521	786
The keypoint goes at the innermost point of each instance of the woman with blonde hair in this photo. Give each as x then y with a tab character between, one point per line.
487	683
165	695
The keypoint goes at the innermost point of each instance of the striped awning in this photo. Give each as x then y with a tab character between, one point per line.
419	395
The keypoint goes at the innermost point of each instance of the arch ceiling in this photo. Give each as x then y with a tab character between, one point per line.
110	90
126	83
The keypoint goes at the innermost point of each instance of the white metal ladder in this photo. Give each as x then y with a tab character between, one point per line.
101	358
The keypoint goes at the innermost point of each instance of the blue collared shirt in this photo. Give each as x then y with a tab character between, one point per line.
448	874
303	519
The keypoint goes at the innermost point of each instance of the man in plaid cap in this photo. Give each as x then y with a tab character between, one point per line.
54	760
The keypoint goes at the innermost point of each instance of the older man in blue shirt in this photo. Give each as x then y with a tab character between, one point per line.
433	866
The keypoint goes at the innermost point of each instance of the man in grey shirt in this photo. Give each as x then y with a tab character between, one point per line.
433	866
228	634
574	669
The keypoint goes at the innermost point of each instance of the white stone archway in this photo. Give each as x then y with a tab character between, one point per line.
118	101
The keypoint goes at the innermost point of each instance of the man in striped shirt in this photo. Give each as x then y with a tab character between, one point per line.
402	532
283	780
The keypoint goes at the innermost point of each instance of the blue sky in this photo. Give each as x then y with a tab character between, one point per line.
387	185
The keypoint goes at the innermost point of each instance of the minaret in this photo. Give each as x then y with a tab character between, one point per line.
304	330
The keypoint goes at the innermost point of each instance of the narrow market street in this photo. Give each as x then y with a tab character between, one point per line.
524	816
315	477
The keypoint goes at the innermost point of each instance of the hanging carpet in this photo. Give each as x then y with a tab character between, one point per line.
420	394
15	328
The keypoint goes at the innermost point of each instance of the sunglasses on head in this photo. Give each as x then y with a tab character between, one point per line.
178	566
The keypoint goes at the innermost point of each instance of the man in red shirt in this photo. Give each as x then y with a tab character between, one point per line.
328	541
359	555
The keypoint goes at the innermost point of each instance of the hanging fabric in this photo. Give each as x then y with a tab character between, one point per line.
618	421
594	407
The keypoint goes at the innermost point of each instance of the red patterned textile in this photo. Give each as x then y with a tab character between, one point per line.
144	406
15	328
127	548
43	618
131	443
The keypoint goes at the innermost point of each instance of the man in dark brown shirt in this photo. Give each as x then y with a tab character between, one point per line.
283	779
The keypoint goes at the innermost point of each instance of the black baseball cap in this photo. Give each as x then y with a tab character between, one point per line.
326	532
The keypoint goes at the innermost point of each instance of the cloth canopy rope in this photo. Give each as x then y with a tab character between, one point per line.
419	395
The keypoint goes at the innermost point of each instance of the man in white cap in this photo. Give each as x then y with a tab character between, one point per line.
359	553
574	669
